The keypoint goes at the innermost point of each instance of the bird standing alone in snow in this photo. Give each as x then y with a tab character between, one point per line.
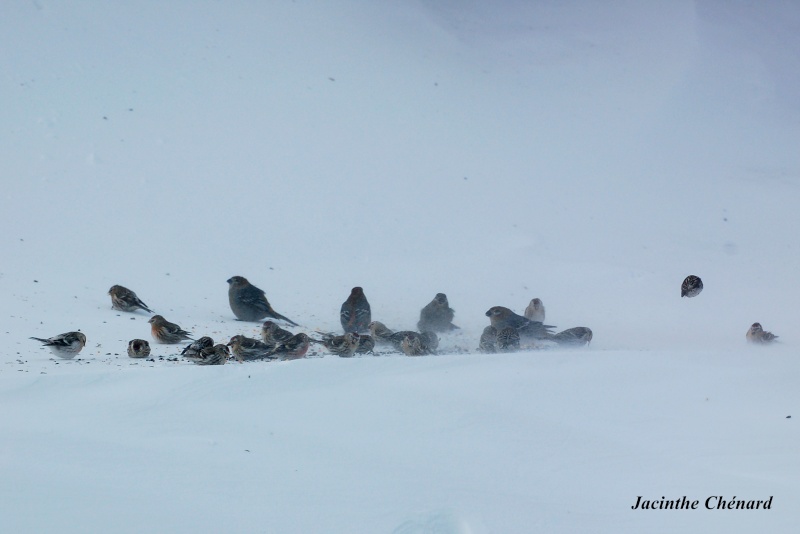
66	345
535	310
355	313
166	332
138	348
250	303
437	315
756	334
691	286
123	299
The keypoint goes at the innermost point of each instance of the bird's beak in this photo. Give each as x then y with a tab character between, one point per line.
488	314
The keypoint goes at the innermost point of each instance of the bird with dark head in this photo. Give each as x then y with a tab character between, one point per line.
66	345
138	348
250	303
535	310
437	315
216	355
691	286
355	313
166	332
757	334
192	350
123	299
502	317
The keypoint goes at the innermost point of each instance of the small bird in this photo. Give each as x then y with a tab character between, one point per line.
756	334
66	345
344	346
488	340
502	317
166	332
192	350
250	303
508	339
216	355
138	348
430	341
366	344
293	348
355	313
412	346
437	315
381	335
691	286
273	335
248	349
123	299
579	335
535	311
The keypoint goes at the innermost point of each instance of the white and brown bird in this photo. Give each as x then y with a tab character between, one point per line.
412	345
579	335
138	348
508	339
381	334
123	299
535	310
437	315
502	317
245	348
757	334
293	348
488	340
192	350
691	286
273	335
250	303
355	313
366	344
66	345
216	355
166	332
344	345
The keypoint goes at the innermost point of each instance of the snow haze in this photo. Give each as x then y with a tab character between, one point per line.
591	155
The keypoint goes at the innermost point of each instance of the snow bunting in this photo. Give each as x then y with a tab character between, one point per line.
66	345
437	315
250	303
355	314
138	348
502	317
535	311
166	332
123	299
691	286
756	334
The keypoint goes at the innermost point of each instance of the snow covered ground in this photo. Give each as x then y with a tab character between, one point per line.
589	155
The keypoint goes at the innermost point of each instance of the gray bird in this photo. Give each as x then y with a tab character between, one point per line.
502	317
508	339
216	355
192	350
344	345
123	299
579	335
138	348
248	349
437	315
381	334
691	286
355	313
757	334
250	303
488	340
66	345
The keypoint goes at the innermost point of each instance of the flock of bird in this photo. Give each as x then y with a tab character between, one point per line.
507	331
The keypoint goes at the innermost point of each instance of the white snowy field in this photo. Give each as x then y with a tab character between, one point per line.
590	154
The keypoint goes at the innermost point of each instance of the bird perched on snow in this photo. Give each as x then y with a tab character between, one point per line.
430	341
437	315
381	334
355	313
66	345
535	311
756	334
138	348
508	339
247	349
384	336
192	350
488	340
216	355
366	344
502	317
293	348
412	346
166	332
273	335
344	346
579	335
123	299
691	286
250	303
